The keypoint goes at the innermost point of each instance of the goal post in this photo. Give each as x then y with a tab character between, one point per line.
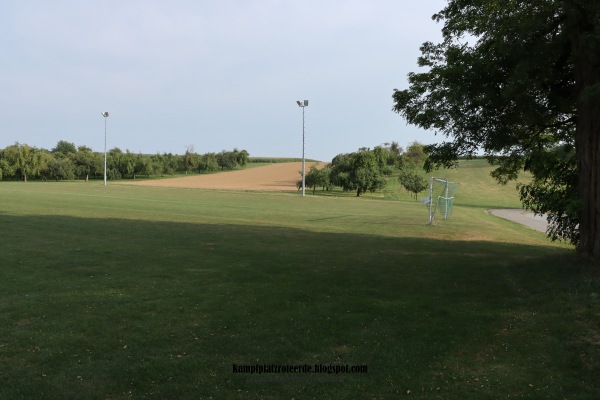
441	197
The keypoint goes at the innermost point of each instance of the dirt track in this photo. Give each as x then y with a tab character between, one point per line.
274	177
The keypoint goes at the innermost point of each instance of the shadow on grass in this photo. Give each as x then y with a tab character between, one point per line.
113	308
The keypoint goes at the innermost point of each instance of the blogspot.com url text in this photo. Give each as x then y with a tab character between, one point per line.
329	369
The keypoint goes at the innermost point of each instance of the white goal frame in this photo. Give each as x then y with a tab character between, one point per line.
433	203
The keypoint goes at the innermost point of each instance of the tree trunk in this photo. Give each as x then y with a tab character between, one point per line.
587	138
588	159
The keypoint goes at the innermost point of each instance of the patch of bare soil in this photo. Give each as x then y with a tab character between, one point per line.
274	177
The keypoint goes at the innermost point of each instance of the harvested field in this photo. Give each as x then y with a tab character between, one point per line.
274	177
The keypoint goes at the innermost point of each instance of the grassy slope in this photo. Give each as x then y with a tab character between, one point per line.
131	292
477	188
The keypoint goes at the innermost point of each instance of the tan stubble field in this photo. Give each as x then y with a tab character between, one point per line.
274	177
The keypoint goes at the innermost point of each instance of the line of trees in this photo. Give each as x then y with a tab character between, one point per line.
369	170
366	170
66	161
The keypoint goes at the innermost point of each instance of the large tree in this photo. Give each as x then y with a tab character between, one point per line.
227	160
415	155
412	180
65	148
190	159
59	168
520	80
317	177
360	171
86	162
24	160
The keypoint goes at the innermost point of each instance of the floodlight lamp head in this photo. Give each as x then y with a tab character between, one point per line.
299	104
105	114
305	103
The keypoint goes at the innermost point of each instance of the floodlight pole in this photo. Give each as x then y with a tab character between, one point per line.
105	115
303	105
430	200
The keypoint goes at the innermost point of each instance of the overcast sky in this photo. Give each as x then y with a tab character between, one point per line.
212	74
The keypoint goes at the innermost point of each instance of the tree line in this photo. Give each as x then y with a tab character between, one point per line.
66	161
368	170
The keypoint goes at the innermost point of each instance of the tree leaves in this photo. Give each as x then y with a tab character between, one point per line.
505	82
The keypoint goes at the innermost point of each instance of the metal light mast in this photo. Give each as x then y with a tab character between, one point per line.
105	115
303	105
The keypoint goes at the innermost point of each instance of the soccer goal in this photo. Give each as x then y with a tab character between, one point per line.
441	197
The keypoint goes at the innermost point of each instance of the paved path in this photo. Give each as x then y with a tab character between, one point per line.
537	222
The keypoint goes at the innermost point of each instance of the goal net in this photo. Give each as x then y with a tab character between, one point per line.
441	198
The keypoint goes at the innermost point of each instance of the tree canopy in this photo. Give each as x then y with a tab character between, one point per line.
65	148
66	161
520	81
362	171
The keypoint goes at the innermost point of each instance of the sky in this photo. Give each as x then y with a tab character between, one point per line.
215	75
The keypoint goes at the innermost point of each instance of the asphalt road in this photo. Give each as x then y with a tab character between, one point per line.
537	222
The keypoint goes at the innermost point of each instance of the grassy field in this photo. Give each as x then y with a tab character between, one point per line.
156	293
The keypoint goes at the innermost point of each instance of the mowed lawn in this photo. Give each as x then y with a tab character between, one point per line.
156	293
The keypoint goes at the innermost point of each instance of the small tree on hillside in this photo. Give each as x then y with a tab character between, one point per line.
395	149
411	180
415	154
317	177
